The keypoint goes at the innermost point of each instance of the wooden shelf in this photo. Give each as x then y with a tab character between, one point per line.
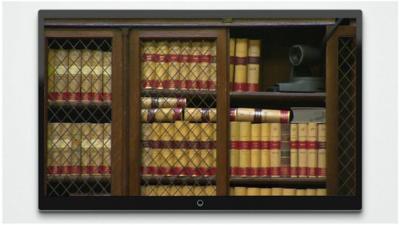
79	112
278	182
78	178
280	99
177	180
79	104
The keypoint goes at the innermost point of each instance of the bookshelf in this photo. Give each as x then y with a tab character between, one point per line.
148	143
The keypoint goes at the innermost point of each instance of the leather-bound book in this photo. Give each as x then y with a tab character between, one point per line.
275	149
232	43
148	65
161	114
185	65
200	114
51	73
259	115
253	66
74	75
162	102
244	146
255	152
265	169
241	53
302	152
235	148
194	66
61	75
173	78
96	62
293	150
285	150
162	65
107	75
312	133
321	167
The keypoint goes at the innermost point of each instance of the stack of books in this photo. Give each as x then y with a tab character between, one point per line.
79	75
179	65
245	64
178	190
277	149
82	149
276	191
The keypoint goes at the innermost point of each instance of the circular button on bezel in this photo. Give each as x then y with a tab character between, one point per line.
200	203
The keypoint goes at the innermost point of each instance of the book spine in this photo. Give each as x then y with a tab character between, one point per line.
244	154
240	191
235	148
241	51
259	115
56	144
74	75
285	150
182	132
311	192
200	114
204	150
312	149
148	65
162	102
253	67
50	166
232	43
293	150
162	65
255	150
275	154
288	192
65	150
253	191
185	66
61	76
86	79
74	160
300	192
146	150
276	191
85	147
321	168
155	149
194	154
194	65
265	169
107	81
161	115
212	80
321	192
96	63
97	148
204	68
173	75
302	152
214	150
265	191
51	72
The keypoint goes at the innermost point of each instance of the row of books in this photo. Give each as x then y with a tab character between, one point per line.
244	64
276	191
79	75
210	115
179	149
178	190
187	65
278	150
79	149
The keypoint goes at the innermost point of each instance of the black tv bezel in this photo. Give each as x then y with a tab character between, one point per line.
193	202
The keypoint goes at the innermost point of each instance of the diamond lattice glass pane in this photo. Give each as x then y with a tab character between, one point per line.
347	116
79	117
178	117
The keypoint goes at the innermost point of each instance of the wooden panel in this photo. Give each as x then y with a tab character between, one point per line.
222	113
134	148
79	33
332	109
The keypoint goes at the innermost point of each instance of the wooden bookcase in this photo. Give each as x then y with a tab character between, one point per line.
277	35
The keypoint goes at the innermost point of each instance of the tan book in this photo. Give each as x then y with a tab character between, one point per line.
173	74
300	192
64	146
255	152
165	153
232	43
265	192
161	114
200	114
107	73
50	160
253	191
321	168
321	192
235	148
162	102
56	144
212	80
253	66
61	75
288	192
96	62
259	115
204	65
276	191
51	72
302	150
240	76
162	65
194	152
74	159
204	148
86	78
182	135
244	153
146	150
210	190
198	191
265	169
185	66
92	148
214	151
275	154
148	65
195	68
312	149
74	75
240	191
311	192
293	150
187	190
